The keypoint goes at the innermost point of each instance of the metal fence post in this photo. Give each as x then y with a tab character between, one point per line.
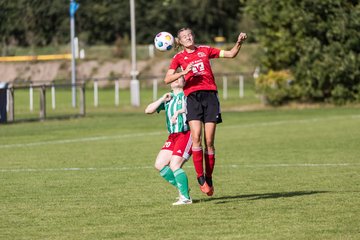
241	86
96	93
10	116
53	97
151	51
117	93
31	96
225	88
155	89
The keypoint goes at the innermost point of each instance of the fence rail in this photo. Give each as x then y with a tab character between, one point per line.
43	86
10	107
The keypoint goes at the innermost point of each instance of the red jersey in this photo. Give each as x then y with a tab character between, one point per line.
201	76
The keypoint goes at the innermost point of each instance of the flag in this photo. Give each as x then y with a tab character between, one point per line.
73	7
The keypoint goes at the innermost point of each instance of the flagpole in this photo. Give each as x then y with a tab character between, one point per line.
73	7
134	83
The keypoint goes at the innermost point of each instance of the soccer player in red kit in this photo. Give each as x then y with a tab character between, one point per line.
203	107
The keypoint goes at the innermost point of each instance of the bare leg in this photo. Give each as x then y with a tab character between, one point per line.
163	159
195	128
209	135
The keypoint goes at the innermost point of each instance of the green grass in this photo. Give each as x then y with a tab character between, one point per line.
279	174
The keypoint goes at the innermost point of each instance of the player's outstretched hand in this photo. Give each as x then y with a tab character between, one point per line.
188	68
242	37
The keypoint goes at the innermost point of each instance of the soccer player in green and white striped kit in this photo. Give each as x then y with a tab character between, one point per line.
177	148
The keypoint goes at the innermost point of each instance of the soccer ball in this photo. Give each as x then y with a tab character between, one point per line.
164	41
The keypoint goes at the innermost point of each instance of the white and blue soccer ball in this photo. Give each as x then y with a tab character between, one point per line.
164	41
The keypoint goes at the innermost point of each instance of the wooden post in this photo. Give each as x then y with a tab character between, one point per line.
82	99
42	102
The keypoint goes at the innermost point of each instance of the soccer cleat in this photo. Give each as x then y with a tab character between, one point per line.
182	201
178	197
205	188
211	192
210	184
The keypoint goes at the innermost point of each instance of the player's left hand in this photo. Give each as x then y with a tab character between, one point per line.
242	37
173	119
167	97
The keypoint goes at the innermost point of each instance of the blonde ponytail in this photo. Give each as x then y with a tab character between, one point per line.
177	44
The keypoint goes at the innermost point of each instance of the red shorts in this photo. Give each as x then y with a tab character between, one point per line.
180	144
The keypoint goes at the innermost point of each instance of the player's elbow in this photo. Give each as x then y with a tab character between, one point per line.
148	111
167	80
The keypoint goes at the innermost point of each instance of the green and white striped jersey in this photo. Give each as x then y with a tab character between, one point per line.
176	103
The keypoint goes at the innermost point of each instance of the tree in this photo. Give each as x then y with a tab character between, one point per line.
318	41
41	23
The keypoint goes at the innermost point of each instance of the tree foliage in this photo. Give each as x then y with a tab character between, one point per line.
41	23
317	40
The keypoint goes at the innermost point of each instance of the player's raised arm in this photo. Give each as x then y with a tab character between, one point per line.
235	50
152	107
171	75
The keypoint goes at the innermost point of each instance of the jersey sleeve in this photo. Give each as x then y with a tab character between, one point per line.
214	52
161	107
174	63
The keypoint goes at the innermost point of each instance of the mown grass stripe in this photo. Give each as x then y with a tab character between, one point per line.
103	138
276	165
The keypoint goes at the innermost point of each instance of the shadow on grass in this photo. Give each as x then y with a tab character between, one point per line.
259	196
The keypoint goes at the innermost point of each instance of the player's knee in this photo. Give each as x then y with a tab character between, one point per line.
196	134
210	148
175	163
174	166
159	166
196	140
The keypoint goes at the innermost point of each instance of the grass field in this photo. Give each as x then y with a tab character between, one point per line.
280	174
